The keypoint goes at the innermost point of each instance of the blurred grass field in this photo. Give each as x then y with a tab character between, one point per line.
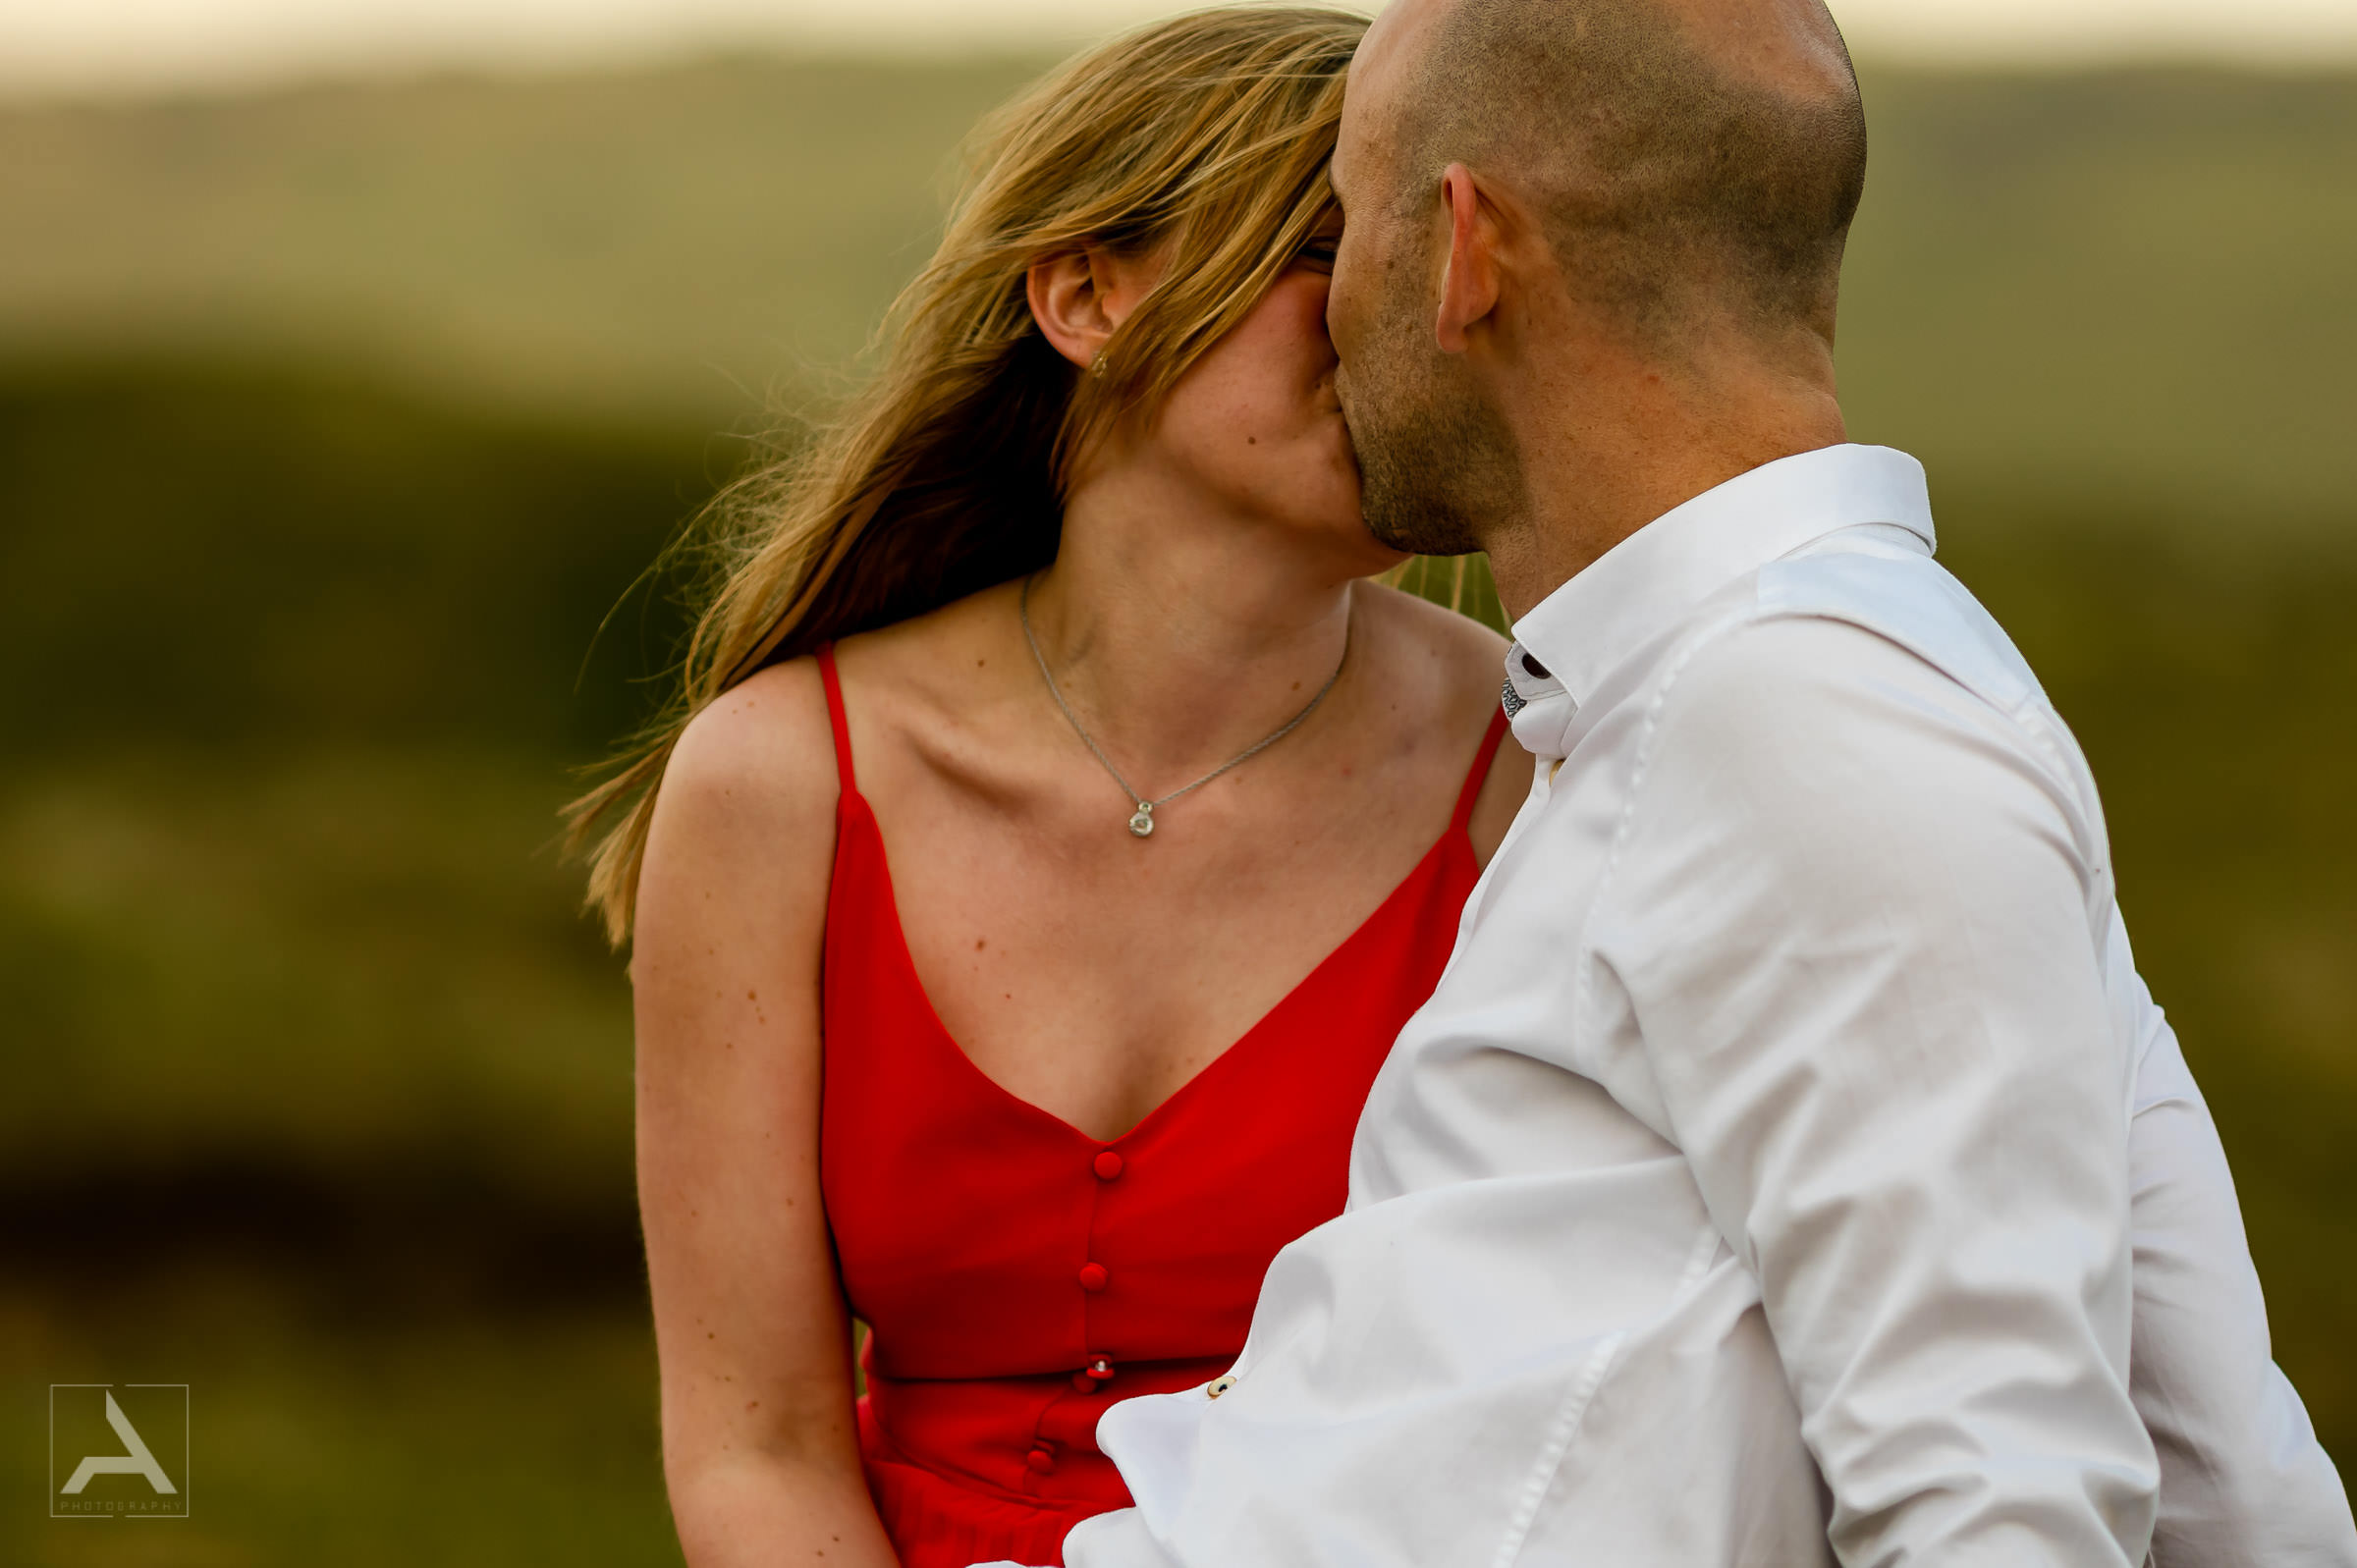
335	424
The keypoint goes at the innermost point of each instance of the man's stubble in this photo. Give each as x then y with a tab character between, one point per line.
1439	471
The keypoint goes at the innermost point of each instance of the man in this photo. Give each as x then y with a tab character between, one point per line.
1779	1168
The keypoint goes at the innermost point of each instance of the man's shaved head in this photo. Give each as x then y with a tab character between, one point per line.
1684	154
1683	173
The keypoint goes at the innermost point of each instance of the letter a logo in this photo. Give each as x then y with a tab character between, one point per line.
138	1462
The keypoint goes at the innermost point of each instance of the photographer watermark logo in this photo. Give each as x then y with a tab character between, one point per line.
123	1449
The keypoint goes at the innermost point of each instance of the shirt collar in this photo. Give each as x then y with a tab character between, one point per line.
1574	636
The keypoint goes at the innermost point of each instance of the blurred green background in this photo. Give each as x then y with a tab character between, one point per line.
334	423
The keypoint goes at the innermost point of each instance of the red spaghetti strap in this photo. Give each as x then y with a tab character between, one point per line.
835	719
1480	774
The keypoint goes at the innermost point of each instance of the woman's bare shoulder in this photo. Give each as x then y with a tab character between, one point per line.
752	775
767	740
1465	656
931	695
1465	662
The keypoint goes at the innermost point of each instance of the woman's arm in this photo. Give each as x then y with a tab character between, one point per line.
760	1447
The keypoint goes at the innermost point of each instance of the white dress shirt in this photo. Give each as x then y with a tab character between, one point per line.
1763	1184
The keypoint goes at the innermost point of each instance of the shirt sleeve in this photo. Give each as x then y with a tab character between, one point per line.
2244	1482
1850	914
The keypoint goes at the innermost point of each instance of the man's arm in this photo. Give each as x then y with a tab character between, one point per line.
1853	917
2244	1482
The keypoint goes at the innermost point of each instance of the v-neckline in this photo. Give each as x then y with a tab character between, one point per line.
854	802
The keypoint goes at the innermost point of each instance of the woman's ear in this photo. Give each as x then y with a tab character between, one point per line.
1081	296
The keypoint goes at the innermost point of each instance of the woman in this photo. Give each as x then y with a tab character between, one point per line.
1057	831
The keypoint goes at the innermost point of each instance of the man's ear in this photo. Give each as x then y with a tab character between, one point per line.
1080	296
1469	283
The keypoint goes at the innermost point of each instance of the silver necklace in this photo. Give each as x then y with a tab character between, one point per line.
1141	821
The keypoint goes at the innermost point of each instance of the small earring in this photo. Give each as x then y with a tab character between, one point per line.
1096	366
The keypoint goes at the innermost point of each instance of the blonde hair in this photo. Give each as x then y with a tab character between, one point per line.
1204	138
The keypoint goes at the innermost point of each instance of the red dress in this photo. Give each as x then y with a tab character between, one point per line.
1018	1276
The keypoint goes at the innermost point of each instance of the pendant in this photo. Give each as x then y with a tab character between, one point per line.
1141	821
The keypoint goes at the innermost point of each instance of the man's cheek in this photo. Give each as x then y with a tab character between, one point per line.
1346	296
1338	314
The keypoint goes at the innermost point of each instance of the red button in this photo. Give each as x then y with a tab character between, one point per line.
1040	1460
1099	1367
1093	1276
1108	1165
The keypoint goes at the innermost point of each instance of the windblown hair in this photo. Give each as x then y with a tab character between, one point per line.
1202	140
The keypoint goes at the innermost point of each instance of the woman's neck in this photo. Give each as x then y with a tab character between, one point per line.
1181	636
